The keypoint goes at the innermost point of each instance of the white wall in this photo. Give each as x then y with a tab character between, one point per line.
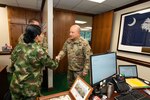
5	60
4	32
144	72
4	36
47	20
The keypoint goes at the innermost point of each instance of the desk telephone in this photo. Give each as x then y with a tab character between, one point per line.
120	84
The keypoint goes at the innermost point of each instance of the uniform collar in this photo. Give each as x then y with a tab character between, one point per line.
75	41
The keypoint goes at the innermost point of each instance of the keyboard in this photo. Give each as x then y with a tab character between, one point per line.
145	98
132	95
137	94
125	97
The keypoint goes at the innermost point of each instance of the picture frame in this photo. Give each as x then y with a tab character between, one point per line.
80	90
134	32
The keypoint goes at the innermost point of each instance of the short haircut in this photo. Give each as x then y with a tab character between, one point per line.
33	20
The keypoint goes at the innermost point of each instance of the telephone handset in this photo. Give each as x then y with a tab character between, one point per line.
120	84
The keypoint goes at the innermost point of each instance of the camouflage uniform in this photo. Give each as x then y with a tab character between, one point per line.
44	42
28	60
20	40
78	53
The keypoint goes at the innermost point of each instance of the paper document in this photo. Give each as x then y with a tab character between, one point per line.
136	83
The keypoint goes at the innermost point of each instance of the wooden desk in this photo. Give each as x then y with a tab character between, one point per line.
5	53
55	95
115	94
3	82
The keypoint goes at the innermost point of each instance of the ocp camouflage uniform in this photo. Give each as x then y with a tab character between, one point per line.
78	53
44	43
28	60
20	39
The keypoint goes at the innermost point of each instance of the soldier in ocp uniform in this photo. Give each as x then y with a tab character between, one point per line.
31	22
78	52
43	43
28	59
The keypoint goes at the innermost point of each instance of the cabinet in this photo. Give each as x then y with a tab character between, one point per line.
17	20
101	32
3	82
16	30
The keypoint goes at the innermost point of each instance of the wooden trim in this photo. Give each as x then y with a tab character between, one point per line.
2	5
5	53
131	4
139	62
43	3
75	12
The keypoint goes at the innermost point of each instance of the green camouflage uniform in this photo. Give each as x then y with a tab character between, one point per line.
78	53
20	40
27	61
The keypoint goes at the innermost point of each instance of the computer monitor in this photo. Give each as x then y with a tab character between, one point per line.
103	66
129	71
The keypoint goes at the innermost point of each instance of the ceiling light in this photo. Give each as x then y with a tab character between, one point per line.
84	29
80	22
97	1
88	28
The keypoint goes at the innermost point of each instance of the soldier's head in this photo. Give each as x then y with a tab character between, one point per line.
34	21
74	32
32	34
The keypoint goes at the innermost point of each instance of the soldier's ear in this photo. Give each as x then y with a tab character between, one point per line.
36	38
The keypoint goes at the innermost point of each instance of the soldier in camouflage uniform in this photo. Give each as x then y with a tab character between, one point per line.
28	58
31	22
44	43
78	52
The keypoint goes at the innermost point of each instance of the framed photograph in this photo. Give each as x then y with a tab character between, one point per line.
80	90
134	34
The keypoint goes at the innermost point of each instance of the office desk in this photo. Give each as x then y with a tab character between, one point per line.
115	94
3	82
5	53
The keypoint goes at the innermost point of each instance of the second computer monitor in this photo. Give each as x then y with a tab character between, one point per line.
128	71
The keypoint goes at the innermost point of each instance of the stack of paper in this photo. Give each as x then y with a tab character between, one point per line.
136	83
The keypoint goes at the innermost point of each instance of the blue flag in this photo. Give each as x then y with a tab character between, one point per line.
136	30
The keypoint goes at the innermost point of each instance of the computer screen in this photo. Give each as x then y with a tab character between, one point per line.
103	66
128	70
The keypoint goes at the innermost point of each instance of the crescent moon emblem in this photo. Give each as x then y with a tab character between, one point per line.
134	21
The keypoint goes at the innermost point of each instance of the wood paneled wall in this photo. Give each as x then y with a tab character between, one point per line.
62	22
101	32
17	20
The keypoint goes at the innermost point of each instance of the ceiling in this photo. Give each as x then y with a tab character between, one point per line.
90	7
84	6
74	5
32	4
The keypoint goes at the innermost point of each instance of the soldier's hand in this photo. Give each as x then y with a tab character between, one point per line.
84	73
57	58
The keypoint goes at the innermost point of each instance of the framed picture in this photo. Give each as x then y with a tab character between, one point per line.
80	90
134	34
